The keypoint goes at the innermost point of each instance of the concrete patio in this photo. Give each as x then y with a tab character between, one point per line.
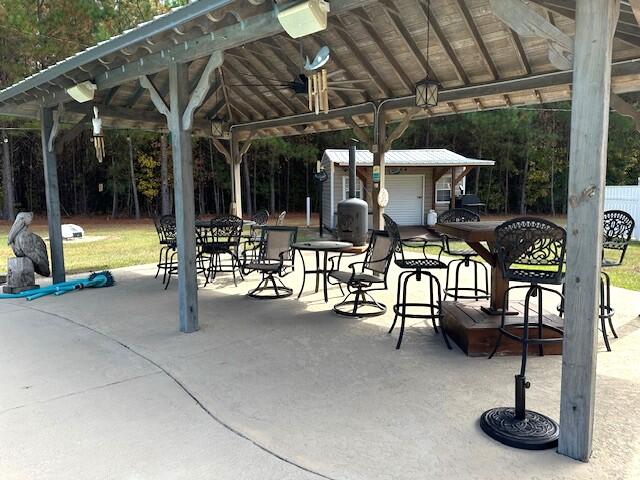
100	384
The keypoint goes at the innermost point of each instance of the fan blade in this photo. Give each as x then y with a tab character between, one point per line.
340	82
335	72
263	78
346	89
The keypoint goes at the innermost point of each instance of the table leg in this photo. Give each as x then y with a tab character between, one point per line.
324	277
317	270
304	273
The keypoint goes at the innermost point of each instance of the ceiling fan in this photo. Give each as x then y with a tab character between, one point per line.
300	84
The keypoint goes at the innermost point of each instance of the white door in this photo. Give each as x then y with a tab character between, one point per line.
406	203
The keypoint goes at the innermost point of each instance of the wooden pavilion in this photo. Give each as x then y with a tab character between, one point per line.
199	70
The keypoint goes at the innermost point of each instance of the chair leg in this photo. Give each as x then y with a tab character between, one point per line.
395	317
404	310
540	325
608	302
457	281
159	262
525	331
603	313
432	306
440	316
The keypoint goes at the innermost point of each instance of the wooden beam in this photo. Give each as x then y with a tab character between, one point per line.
394	15
477	38
595	27
388	55
380	133
626	109
358	131
401	128
442	39
236	177
183	197
341	33
201	89
522	55
52	195
528	23
463	174
221	148
71	133
156	98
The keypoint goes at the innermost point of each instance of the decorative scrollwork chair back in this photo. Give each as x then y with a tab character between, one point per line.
225	229
261	217
525	243
166	228
455	215
617	230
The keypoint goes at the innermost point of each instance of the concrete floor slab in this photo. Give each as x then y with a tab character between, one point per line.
327	393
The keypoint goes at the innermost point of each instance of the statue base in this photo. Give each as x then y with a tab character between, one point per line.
20	275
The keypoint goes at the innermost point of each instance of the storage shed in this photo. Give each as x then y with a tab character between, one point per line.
417	180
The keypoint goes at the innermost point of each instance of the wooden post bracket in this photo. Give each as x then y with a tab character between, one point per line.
71	133
358	131
55	128
401	128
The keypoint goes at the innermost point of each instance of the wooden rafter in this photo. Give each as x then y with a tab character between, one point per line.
477	38
358	131
255	91
442	39
522	55
342	32
389	56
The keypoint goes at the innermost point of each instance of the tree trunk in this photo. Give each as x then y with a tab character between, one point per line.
114	202
523	192
551	189
286	186
165	199
202	207
216	195
247	186
74	179
255	181
7	179
506	189
272	187
134	188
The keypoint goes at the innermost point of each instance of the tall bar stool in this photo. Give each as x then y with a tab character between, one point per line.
617	230
415	268
530	251
167	262
467	259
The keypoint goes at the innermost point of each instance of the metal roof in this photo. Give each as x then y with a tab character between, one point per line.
381	45
419	157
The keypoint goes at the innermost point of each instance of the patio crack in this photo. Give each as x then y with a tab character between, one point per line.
188	392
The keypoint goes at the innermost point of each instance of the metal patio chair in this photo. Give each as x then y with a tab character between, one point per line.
220	239
467	258
415	267
365	277
274	260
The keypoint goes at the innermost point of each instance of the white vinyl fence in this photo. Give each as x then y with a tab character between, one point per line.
625	198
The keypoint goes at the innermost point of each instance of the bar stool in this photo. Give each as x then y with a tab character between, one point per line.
415	268
617	231
167	262
468	259
530	251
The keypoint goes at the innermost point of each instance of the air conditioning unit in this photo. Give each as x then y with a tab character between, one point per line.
305	18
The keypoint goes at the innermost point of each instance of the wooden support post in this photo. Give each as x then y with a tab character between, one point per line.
52	195
7	179
236	183
184	197
595	26
164	176
380	134
452	200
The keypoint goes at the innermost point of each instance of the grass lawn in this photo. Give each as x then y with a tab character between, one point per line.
121	243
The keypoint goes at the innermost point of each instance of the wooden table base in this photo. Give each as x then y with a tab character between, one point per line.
475	332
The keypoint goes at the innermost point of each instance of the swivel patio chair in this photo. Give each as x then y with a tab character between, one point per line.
467	259
618	228
365	277
415	267
274	260
530	251
167	262
220	239
280	220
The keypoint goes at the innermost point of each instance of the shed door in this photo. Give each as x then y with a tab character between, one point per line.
406	203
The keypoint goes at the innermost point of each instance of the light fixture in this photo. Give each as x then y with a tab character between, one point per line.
304	18
82	92
217	128
427	90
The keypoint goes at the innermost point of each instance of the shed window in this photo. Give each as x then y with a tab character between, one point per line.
345	188
443	189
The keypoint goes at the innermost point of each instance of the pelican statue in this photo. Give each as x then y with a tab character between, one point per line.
25	243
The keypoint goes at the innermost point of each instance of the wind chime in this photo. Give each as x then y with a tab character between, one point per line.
98	137
319	92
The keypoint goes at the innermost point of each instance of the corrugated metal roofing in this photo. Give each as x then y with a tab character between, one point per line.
419	157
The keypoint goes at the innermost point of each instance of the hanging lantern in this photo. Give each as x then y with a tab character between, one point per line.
427	90
427	93
217	128
98	138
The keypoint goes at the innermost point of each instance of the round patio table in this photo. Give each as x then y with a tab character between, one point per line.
206	223
319	246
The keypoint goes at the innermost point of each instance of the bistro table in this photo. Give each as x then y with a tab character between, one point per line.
474	233
319	246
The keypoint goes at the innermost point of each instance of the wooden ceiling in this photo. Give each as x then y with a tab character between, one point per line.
380	45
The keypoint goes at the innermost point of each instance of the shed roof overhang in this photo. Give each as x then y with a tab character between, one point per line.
380	45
